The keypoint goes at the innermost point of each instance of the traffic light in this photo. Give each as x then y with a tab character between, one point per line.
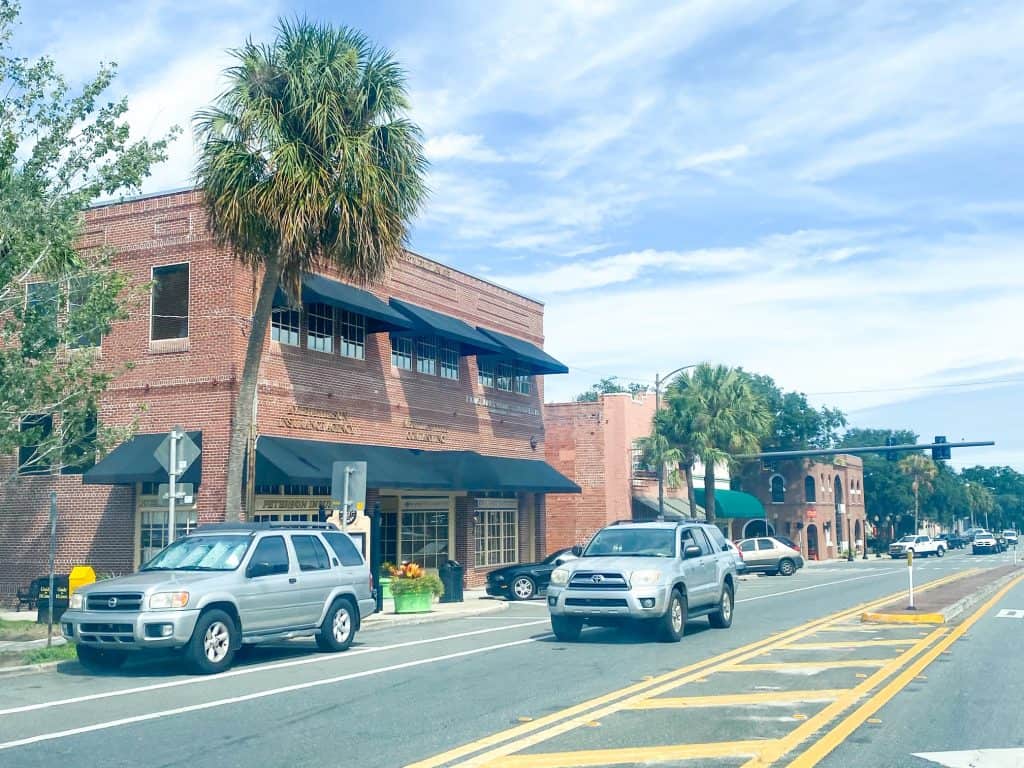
941	452
890	455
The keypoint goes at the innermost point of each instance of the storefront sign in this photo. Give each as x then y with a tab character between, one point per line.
319	420
502	406
425	433
285	503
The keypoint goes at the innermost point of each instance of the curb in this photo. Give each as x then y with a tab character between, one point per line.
947	614
26	669
389	620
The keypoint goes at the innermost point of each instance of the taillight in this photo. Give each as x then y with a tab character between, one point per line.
371	583
740	553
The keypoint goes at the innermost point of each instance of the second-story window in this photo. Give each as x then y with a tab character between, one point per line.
426	354
522	382
778	489
352	331
448	354
284	326
170	302
30	461
84	335
485	372
504	377
320	327
41	304
401	352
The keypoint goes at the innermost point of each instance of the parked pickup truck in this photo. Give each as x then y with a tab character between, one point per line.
921	546
952	540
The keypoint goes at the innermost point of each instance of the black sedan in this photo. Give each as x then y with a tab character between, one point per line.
525	580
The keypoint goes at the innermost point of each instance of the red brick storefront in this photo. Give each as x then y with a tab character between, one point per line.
325	396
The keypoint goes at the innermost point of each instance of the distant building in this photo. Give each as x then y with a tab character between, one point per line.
820	505
595	444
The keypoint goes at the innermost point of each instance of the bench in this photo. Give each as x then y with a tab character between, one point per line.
30	595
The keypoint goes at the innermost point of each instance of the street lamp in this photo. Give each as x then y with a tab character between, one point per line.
658	379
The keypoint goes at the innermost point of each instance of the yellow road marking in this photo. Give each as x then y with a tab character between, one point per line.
738	699
627	755
842	731
785	666
843	644
525	735
903	618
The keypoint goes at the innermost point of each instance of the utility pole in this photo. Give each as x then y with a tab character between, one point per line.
916	486
658	379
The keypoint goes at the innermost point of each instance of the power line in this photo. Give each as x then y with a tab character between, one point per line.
961	384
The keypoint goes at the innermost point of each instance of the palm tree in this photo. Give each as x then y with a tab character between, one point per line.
673	423
306	160
656	450
724	417
922	471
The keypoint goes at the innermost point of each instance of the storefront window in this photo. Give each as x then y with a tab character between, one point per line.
153	530
496	532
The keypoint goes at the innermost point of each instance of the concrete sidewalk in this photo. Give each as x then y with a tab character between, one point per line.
476	602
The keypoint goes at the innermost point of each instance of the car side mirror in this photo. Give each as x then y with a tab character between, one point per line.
255	570
577	550
692	550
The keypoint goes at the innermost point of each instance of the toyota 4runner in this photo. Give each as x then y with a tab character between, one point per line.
222	587
660	574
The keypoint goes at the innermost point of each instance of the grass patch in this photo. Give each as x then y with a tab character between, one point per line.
24	630
42	655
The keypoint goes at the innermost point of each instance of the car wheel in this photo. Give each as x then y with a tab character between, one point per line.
672	625
523	588
722	618
212	646
566	629
339	627
99	659
940	552
787	567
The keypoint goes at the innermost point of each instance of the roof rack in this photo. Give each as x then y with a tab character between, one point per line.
264	526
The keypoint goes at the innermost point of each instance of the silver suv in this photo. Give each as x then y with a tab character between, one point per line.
223	586
657	573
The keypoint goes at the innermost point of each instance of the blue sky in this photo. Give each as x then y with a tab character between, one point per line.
827	192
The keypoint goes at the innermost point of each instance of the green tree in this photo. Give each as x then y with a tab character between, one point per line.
922	471
887	490
796	424
609	386
982	505
675	425
725	417
656	451
1007	488
60	151
307	159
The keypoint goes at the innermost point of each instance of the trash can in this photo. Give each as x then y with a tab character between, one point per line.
60	602
451	578
80	576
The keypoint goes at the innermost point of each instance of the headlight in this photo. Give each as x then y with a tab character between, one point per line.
162	600
645	578
560	577
76	601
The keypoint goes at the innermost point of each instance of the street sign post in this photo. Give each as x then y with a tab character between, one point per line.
51	596
348	487
910	573
176	453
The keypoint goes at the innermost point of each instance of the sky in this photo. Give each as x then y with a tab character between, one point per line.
828	192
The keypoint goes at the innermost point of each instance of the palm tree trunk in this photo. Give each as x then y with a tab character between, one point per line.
709	491
242	423
688	471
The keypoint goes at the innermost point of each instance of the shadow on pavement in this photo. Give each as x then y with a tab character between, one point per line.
624	635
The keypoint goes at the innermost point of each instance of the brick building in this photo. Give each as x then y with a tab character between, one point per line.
820	505
434	377
595	444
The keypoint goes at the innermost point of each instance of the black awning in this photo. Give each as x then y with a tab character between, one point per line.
317	288
133	462
427	321
527	355
287	460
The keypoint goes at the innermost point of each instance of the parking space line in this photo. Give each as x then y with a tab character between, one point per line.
796	666
841	644
598	757
739	699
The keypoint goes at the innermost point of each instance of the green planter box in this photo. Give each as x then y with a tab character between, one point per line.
385	588
414	602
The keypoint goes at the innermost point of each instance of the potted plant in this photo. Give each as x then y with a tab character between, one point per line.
413	588
385	579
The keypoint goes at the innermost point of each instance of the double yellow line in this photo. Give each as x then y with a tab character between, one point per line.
509	741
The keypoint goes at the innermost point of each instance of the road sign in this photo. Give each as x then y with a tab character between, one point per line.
348	488
187	452
183	492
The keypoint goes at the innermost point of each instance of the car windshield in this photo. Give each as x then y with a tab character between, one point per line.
908	539
633	542
201	553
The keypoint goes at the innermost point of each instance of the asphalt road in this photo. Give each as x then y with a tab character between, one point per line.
404	695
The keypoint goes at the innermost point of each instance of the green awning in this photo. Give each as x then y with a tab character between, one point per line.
645	509
528	355
287	460
133	462
732	504
317	288
427	321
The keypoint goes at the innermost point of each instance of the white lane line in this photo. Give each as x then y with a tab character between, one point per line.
815	586
318	659
260	694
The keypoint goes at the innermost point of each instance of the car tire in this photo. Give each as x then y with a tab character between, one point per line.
523	588
566	628
940	552
787	567
672	625
211	648
99	659
339	627
722	618
974	550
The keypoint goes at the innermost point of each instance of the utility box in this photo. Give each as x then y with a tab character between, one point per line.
80	576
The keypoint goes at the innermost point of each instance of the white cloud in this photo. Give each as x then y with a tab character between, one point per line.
459	146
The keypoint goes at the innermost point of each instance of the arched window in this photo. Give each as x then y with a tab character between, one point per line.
778	486
809	489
